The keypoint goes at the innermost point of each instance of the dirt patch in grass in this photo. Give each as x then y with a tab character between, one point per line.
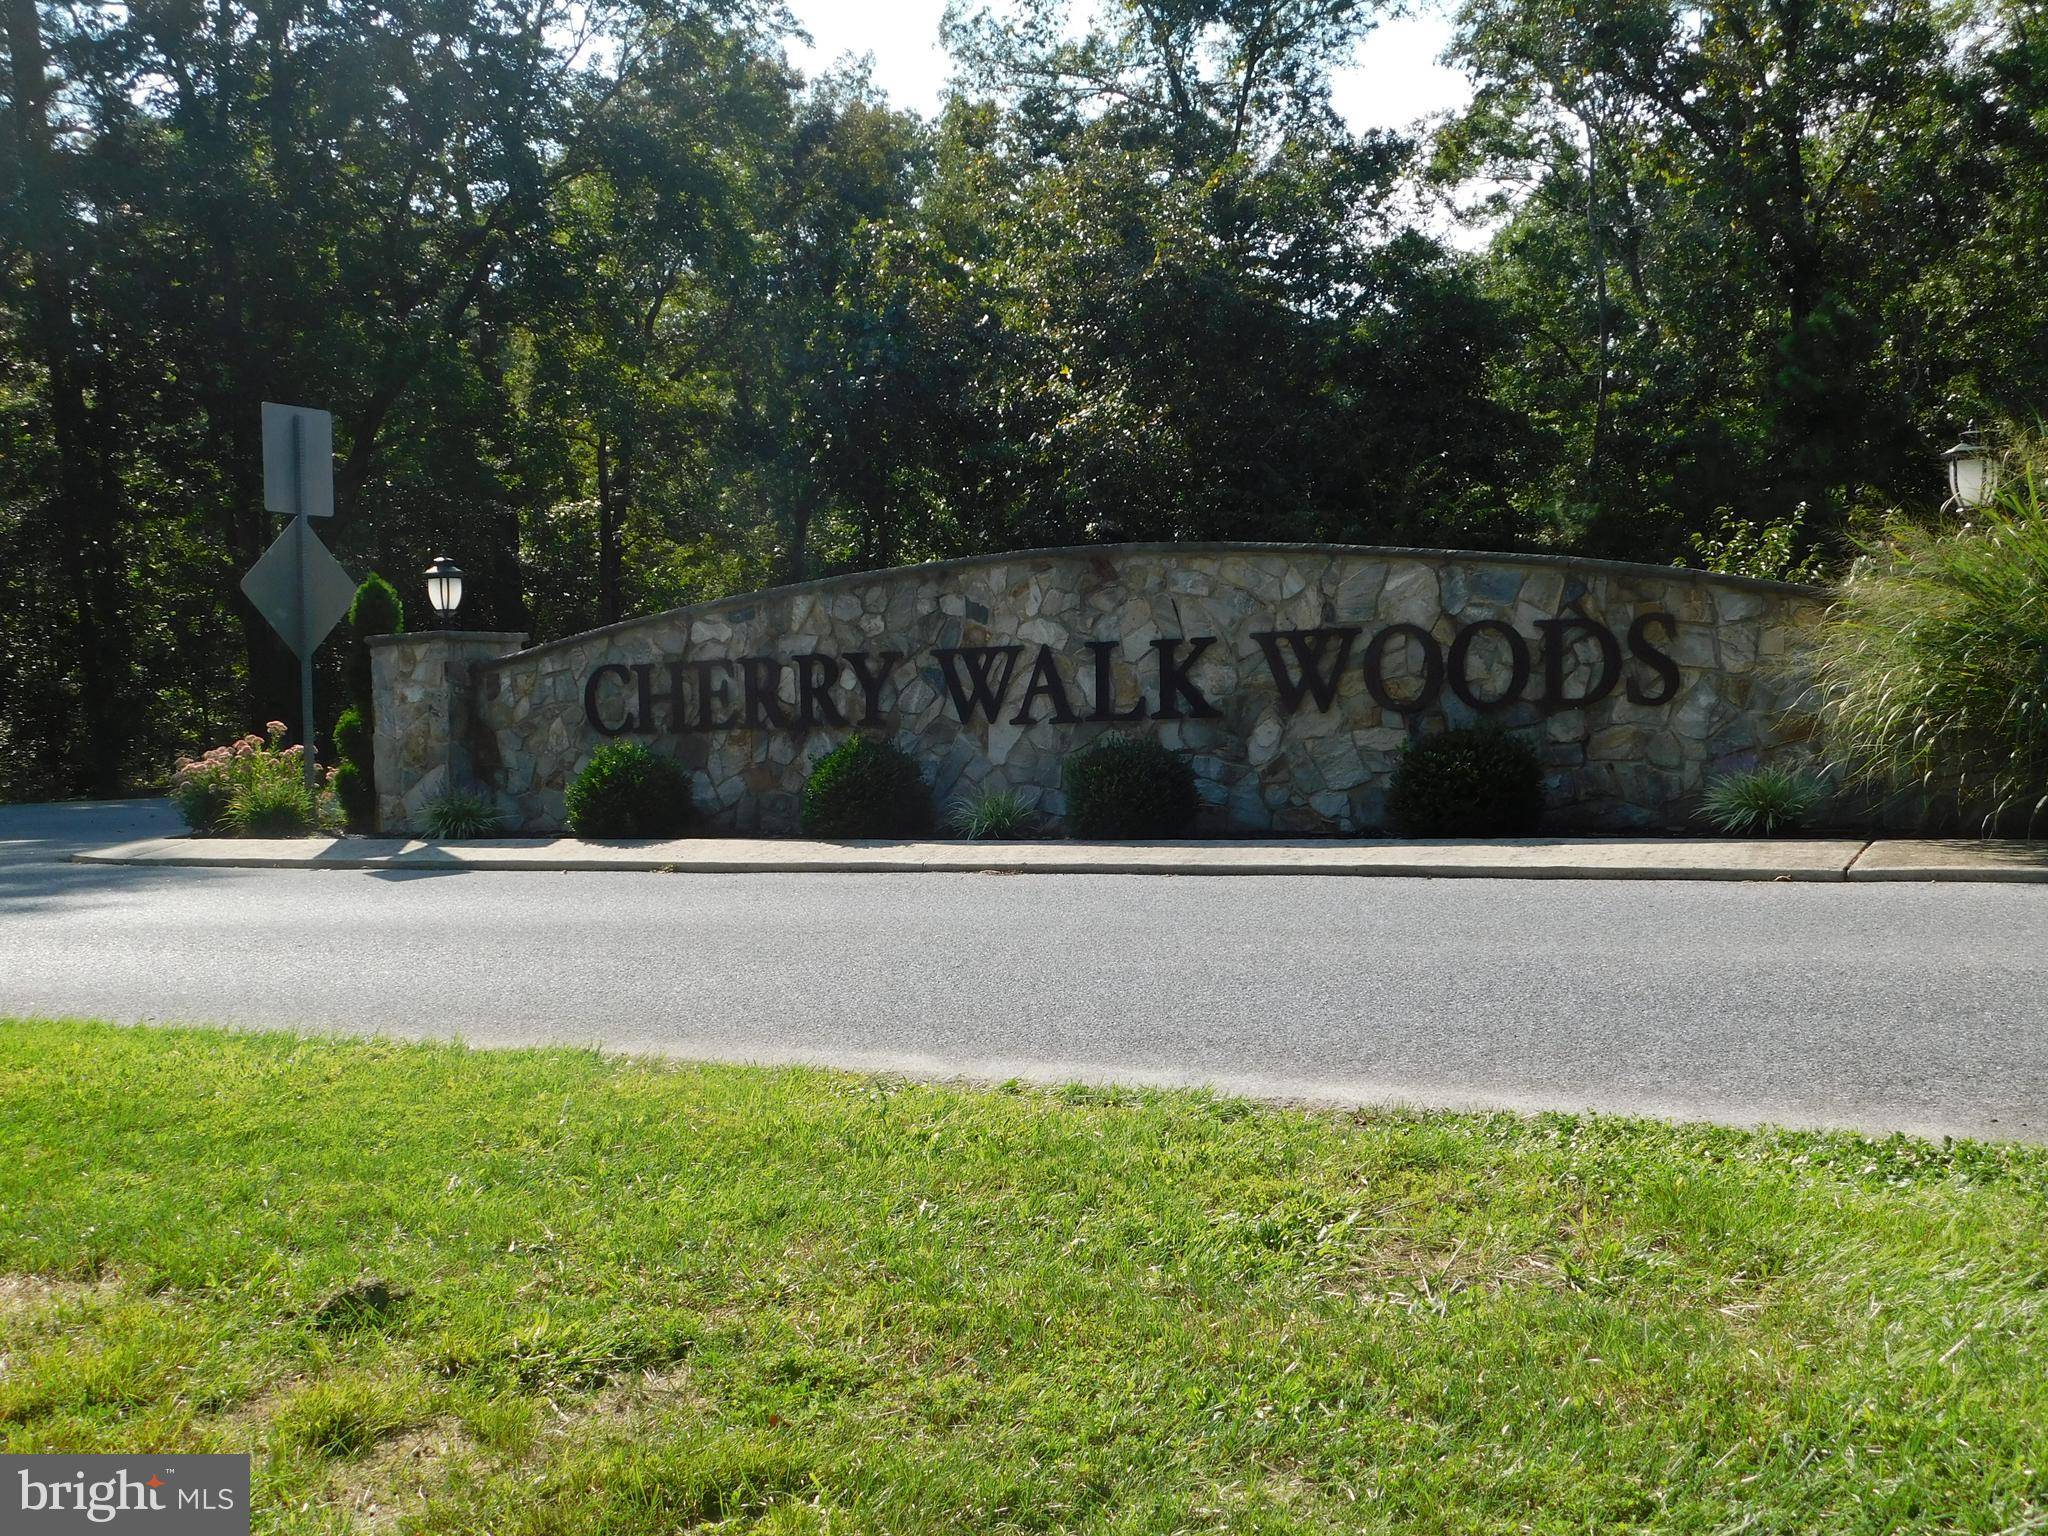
21	1294
623	1403
398	1475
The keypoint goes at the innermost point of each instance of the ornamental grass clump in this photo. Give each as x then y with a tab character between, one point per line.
462	813
992	815
1931	668
626	790
1122	787
253	787
1762	803
866	787
1475	782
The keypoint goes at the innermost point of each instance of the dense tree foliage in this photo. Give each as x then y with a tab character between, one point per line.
618	310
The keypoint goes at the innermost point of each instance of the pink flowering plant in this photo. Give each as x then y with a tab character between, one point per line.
253	787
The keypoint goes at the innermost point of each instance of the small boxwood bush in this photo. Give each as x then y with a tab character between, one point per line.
625	790
356	794
1128	786
355	787
352	734
1479	782
866	787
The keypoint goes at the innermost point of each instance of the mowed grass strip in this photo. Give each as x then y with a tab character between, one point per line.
548	1291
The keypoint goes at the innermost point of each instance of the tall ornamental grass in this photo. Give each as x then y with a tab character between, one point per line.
1932	668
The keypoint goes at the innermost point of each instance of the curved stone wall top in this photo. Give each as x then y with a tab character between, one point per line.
1291	674
1183	552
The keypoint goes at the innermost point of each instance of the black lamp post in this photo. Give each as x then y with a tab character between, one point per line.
444	588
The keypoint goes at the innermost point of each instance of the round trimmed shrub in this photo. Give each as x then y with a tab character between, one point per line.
352	735
625	790
355	794
376	609
1122	787
1478	782
866	787
355	785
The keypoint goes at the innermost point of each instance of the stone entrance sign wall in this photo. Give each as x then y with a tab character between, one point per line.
1292	675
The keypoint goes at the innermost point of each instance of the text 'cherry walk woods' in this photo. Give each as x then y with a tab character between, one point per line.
716	693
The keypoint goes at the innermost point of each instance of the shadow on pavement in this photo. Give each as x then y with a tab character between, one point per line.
32	834
37	841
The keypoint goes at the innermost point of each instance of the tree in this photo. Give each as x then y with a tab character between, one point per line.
1744	166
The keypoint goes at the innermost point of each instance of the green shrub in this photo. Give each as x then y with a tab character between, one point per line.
462	813
354	779
866	787
625	790
376	610
1477	782
355	794
202	799
253	787
994	813
1929	667
274	806
1128	786
1766	551
1762	803
352	736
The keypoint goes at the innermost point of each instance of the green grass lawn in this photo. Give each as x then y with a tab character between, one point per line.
633	1297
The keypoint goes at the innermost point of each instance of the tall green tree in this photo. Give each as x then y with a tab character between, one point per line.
1724	203
1201	318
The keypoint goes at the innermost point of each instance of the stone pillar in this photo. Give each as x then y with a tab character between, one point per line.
421	691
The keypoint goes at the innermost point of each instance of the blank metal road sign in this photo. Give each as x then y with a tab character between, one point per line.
298	460
299	587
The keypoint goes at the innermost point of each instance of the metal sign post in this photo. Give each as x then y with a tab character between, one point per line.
297	585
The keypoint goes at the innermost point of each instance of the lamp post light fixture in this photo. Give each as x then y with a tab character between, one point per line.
444	588
1972	471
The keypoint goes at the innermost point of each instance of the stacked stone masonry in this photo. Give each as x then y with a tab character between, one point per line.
1710	683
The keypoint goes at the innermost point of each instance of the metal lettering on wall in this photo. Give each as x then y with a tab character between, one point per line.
1402	668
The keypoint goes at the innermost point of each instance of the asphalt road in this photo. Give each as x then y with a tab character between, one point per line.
1913	1007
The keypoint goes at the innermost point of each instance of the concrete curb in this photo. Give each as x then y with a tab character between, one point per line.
1559	858
1591	858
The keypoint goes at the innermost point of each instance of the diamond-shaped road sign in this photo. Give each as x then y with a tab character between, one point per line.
299	587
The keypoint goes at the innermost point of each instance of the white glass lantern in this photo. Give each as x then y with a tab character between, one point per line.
444	587
1972	471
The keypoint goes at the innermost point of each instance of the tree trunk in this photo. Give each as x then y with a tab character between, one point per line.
608	551
1605	331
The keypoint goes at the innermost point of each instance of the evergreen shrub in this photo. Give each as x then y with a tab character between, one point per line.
1121	787
625	790
1474	782
866	787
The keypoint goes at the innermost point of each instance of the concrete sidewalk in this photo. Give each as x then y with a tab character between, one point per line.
1538	858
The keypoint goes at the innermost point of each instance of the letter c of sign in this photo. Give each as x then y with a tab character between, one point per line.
590	709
